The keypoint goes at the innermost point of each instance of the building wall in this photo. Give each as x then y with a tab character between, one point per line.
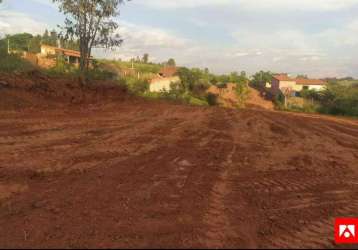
287	84
316	87
275	86
46	63
47	51
163	84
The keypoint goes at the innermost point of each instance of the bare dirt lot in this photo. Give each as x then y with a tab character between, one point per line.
121	172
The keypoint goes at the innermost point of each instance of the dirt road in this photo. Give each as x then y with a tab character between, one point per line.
137	174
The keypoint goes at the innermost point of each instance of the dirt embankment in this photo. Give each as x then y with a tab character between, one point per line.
36	90
256	99
138	174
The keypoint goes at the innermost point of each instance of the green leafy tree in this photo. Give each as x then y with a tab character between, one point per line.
34	44
302	76
188	78
92	23
20	42
171	62
261	78
145	58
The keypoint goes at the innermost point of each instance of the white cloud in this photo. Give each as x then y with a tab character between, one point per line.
139	39
257	5
14	22
174	4
241	54
305	5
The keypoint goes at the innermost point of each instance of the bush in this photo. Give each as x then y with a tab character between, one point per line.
305	108
197	102
212	99
242	92
279	101
137	86
12	63
339	99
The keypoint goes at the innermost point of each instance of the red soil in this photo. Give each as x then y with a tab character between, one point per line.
91	167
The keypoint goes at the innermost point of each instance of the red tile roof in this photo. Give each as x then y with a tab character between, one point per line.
299	81
303	81
168	71
283	77
67	52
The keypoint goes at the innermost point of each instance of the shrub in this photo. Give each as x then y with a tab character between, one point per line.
12	62
212	99
137	86
279	101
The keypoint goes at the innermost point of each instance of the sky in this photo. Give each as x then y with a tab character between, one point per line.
318	38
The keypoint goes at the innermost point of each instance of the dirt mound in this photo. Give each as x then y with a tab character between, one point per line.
257	99
157	175
35	89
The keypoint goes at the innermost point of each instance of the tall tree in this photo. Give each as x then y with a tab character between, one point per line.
171	62
145	58
91	22
53	38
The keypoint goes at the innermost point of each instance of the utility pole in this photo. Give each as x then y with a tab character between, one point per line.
8	46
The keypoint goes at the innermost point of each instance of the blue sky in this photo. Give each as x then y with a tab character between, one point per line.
314	37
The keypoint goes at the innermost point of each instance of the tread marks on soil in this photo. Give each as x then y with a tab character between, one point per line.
220	230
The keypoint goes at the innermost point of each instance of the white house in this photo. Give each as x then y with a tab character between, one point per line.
163	84
283	82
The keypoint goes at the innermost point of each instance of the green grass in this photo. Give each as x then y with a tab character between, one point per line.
140	67
184	99
14	63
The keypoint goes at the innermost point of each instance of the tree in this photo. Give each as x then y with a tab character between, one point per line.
145	58
91	22
302	76
171	62
20	42
188	78
261	78
53	38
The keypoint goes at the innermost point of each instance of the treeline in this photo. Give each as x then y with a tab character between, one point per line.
335	99
30	43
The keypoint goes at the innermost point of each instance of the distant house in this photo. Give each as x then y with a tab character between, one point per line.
70	56
163	84
283	83
164	80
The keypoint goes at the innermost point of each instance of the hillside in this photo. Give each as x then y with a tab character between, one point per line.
92	167
256	100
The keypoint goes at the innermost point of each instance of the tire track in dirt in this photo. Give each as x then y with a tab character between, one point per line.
297	207
223	232
220	229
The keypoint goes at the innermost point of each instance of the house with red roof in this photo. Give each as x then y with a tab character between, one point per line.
168	71
283	83
164	81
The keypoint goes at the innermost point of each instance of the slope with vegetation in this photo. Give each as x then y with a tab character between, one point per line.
139	71
339	97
